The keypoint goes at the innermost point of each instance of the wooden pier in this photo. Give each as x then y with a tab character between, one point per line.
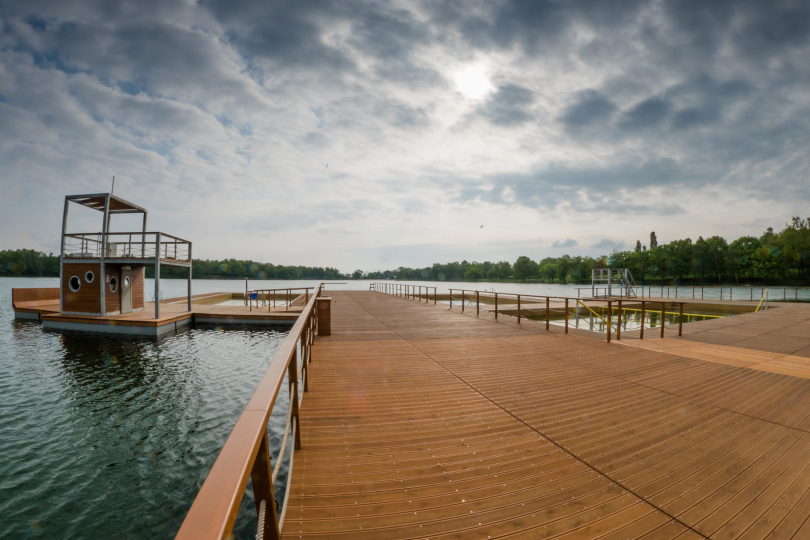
426	423
420	421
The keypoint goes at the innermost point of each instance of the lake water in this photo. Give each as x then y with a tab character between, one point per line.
112	436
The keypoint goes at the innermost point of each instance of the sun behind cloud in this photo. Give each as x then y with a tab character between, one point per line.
473	82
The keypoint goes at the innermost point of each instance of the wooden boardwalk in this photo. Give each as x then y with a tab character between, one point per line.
421	422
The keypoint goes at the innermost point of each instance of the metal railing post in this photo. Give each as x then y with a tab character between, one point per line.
496	306
518	309
663	316
477	303
548	311
680	321
610	310
462	300
619	322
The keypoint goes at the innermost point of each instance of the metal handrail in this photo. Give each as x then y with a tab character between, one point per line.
245	454
288	300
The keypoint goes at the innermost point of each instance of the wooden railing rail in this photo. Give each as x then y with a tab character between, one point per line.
246	453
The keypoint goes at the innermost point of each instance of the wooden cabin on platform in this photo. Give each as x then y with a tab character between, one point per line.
102	273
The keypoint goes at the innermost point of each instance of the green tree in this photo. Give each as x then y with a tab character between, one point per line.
681	257
564	265
473	273
504	270
548	271
358	274
524	268
716	255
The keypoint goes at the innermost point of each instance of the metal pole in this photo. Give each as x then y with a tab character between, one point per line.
496	306
157	275
619	323
608	319
103	276
462	300
518	309
680	321
547	312
189	276
62	255
477	303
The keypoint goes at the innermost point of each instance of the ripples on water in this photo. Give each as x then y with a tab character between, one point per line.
112	436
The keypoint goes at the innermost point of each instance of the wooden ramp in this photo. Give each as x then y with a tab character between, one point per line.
425	423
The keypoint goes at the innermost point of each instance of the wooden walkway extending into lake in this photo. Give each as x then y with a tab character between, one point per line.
421	422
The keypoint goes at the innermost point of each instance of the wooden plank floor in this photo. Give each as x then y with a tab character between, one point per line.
421	422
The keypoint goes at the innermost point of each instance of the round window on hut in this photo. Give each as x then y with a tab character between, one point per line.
89	277
113	284
74	283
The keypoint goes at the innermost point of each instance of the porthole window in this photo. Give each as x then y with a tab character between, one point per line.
126	283
89	277
75	283
113	284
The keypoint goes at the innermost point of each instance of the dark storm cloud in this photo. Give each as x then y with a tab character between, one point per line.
597	106
580	189
650	112
509	105
589	107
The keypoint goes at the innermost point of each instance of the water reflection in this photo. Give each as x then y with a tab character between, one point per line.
112	436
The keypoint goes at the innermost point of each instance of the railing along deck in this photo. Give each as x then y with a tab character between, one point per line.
127	245
269	297
520	301
246	454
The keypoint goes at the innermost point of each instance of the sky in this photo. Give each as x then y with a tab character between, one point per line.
373	135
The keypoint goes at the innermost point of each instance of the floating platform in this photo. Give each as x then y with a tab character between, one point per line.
43	305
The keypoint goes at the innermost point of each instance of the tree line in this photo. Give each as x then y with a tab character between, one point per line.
31	263
783	255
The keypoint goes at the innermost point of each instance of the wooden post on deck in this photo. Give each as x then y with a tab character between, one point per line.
323	306
262	478
477	303
641	336
566	315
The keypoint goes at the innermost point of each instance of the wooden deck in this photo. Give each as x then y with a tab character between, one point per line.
421	422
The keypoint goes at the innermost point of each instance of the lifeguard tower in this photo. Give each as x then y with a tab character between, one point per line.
102	273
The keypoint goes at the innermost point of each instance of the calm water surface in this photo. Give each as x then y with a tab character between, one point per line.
112	436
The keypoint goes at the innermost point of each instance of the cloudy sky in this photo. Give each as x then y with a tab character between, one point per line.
561	127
